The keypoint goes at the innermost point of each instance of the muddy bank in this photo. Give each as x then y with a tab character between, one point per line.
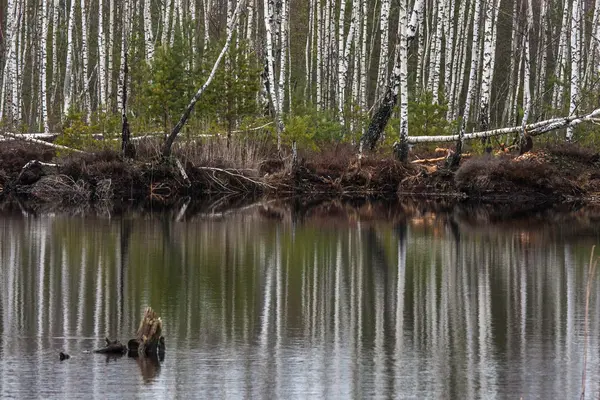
552	174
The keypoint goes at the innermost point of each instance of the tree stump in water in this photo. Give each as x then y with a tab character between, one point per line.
148	338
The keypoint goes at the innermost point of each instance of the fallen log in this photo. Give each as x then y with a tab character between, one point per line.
38	141
534	129
112	347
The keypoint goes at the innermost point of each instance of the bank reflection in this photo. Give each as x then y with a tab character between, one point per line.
263	306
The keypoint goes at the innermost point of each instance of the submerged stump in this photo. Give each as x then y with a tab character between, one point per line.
148	340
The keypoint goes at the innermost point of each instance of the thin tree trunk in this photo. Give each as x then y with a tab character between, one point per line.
84	54
575	62
101	58
526	75
453	162
43	16
402	150
148	39
68	84
382	74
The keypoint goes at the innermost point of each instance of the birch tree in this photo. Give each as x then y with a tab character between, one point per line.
472	85
84	65
527	74
148	33
575	62
68	85
43	16
101	58
402	150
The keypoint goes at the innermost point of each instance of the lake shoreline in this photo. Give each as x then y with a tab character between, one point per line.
553	174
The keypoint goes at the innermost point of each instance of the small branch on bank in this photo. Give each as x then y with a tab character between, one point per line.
37	141
239	176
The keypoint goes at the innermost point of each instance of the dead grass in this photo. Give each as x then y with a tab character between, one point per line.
524	176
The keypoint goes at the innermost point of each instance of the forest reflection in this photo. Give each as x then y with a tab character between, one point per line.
349	301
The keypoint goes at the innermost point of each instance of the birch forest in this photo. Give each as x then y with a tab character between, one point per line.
345	68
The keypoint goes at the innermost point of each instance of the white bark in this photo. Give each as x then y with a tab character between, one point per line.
488	55
206	11
435	66
55	66
9	69
273	92
343	61
148	37
111	52
101	58
363	59
68	85
534	129
575	62
527	73
403	57
43	16
84	54
473	74
308	59
283	26
320	45
382	71
561	58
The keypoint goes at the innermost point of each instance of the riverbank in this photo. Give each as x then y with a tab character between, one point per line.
551	174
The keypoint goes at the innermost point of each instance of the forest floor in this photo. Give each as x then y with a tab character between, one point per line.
550	174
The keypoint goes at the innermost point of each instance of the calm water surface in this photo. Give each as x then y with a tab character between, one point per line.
339	302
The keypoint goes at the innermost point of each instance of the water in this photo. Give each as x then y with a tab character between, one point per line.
264	302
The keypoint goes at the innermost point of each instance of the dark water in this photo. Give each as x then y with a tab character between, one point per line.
339	302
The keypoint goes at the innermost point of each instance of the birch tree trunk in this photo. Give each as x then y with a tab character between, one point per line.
111	54
148	37
84	54
10	59
561	58
101	58
283	50
575	62
55	63
526	75
402	150
68	84
343	62
455	159
43	16
486	80
384	21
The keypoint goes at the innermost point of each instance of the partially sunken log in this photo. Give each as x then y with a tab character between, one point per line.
112	347
148	337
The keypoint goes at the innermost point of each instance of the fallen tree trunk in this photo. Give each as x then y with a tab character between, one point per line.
37	141
535	129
